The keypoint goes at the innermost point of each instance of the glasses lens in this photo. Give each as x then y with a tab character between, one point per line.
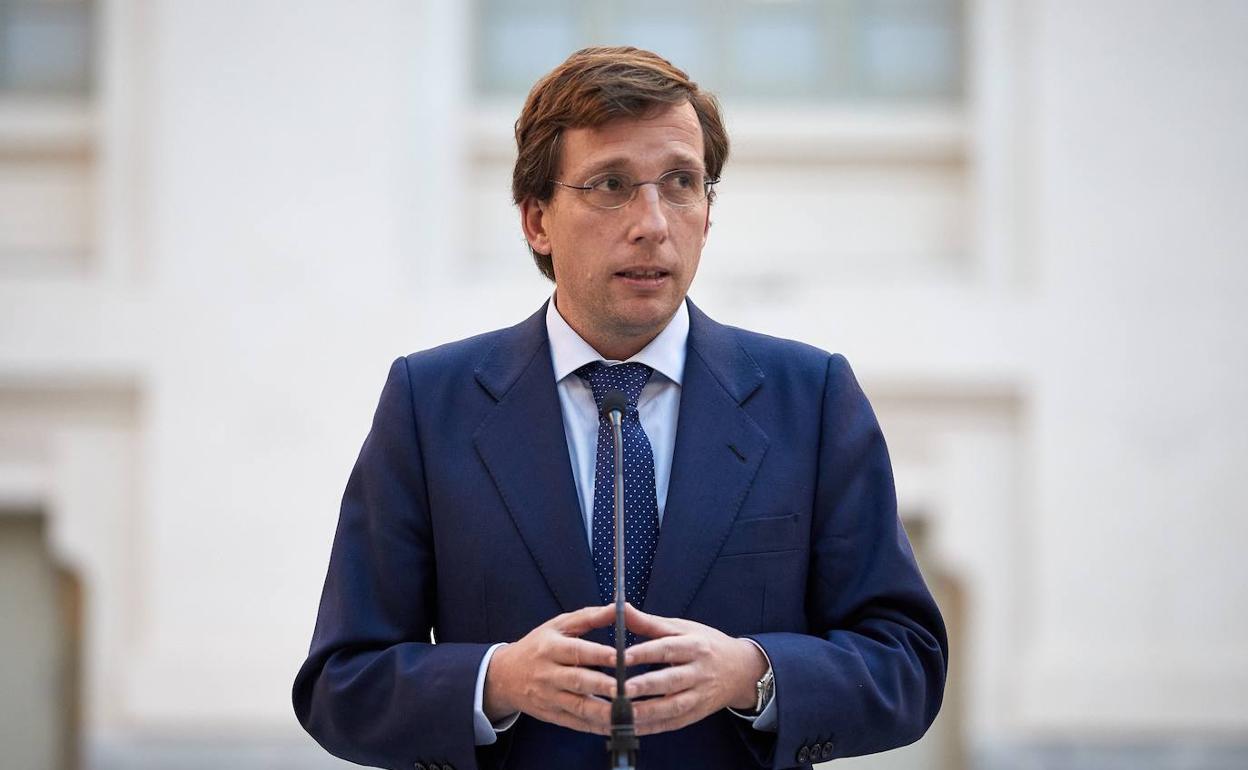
609	191
682	188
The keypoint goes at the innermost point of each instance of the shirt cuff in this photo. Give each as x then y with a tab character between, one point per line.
484	731
766	719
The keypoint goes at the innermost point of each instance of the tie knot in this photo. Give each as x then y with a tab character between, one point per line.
628	378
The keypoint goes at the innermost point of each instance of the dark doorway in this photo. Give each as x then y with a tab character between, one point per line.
40	634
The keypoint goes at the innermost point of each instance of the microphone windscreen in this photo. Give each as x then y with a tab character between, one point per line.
612	401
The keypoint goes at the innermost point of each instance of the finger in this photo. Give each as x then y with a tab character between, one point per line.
669	649
583	681
593	713
668	713
584	620
582	652
652	626
665	681
562	718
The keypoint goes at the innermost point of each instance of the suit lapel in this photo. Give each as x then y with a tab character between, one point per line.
523	446
718	452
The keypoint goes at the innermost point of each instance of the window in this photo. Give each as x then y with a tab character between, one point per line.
761	50
45	47
47	140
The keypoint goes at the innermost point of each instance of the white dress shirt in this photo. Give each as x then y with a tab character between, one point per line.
658	408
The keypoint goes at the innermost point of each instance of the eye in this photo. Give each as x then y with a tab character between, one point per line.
681	180
609	183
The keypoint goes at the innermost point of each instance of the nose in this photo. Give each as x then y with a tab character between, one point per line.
649	221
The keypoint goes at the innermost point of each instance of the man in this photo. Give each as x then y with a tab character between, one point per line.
779	616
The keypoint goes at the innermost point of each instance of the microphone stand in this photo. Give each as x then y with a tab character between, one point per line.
623	744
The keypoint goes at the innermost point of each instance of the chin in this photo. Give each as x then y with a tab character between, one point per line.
645	320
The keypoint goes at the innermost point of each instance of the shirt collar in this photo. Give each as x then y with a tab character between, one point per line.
665	354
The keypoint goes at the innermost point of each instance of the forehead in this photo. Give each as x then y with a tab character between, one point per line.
669	137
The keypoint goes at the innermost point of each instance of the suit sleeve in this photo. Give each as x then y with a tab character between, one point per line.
870	674
373	689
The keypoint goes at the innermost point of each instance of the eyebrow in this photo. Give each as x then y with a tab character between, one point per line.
614	162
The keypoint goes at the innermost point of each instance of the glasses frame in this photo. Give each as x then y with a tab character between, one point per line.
658	186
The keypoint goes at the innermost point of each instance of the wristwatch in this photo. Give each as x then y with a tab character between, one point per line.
765	687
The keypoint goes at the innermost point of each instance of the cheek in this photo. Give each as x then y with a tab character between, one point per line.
694	238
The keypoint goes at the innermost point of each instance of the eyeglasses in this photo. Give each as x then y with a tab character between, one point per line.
682	188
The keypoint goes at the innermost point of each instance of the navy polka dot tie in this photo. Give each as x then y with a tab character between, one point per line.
641	508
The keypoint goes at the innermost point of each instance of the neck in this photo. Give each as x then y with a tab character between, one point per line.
610	344
616	349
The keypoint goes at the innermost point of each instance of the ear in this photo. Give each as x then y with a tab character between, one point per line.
706	226
532	214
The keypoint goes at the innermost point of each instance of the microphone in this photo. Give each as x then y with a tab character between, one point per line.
622	745
614	401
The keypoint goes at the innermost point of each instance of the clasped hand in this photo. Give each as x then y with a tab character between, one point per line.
548	674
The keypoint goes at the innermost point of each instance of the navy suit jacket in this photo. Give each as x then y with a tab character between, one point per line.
461	521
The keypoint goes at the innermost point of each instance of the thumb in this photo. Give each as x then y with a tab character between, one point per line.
585	619
651	626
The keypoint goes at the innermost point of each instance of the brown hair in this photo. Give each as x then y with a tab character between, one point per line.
592	87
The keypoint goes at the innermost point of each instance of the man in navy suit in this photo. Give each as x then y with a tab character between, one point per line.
779	615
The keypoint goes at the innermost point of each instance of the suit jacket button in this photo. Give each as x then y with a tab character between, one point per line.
829	749
803	754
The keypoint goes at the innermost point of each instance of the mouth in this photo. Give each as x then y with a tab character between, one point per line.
643	276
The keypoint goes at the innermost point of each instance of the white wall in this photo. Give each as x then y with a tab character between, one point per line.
1138	610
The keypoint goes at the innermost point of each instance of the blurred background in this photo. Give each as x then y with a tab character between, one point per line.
1025	222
